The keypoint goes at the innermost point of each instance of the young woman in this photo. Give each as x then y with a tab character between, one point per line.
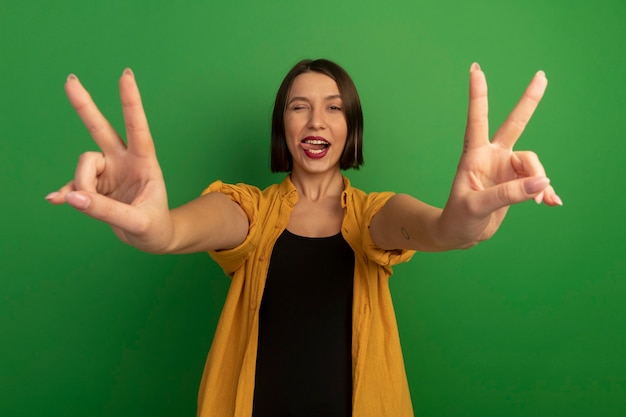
308	326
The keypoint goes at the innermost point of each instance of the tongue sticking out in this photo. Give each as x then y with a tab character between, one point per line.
314	146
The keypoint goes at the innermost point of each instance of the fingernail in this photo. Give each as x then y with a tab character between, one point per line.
77	200
558	200
534	185
52	195
128	71
474	67
539	198
72	77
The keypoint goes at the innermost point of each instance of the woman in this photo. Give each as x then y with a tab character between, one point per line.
308	327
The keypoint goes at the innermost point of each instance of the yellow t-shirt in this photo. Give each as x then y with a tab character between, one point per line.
380	387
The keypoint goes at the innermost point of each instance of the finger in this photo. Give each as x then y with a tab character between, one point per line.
510	192
58	197
477	129
101	131
514	125
137	129
551	198
105	209
527	164
90	166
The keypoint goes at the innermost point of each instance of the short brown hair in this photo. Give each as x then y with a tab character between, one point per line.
352	156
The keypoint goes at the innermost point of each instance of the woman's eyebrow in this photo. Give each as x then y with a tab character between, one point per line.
299	98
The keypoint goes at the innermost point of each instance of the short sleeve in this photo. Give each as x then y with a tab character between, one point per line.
383	257
248	199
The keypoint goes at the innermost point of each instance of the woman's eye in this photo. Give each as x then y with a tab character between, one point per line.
335	108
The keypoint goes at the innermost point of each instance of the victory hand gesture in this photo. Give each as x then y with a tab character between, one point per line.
122	184
491	176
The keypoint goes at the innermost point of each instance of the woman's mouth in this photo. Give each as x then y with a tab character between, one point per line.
315	147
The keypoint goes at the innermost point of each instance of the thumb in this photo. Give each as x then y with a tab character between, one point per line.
104	209
512	192
80	201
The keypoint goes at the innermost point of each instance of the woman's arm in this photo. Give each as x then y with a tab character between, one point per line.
489	178
123	185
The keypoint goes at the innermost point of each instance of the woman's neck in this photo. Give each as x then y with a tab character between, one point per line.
316	187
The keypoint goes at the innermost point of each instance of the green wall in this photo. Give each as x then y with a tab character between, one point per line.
530	323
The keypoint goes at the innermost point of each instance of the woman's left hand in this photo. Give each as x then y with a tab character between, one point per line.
490	175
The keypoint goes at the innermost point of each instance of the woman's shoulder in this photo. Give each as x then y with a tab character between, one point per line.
252	194
229	188
362	197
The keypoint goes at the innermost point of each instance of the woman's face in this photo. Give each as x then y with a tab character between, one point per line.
315	124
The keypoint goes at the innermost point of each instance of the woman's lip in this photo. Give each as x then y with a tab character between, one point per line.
316	154
315	147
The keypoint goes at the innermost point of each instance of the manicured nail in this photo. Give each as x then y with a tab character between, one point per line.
52	195
72	77
534	185
558	200
539	198
77	200
128	71
475	67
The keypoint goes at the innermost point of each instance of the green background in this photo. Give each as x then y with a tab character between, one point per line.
530	323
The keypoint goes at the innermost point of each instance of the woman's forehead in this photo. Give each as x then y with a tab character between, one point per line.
313	84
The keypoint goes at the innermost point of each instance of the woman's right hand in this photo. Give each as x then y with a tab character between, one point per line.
122	184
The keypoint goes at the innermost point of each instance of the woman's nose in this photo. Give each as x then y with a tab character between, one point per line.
317	121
